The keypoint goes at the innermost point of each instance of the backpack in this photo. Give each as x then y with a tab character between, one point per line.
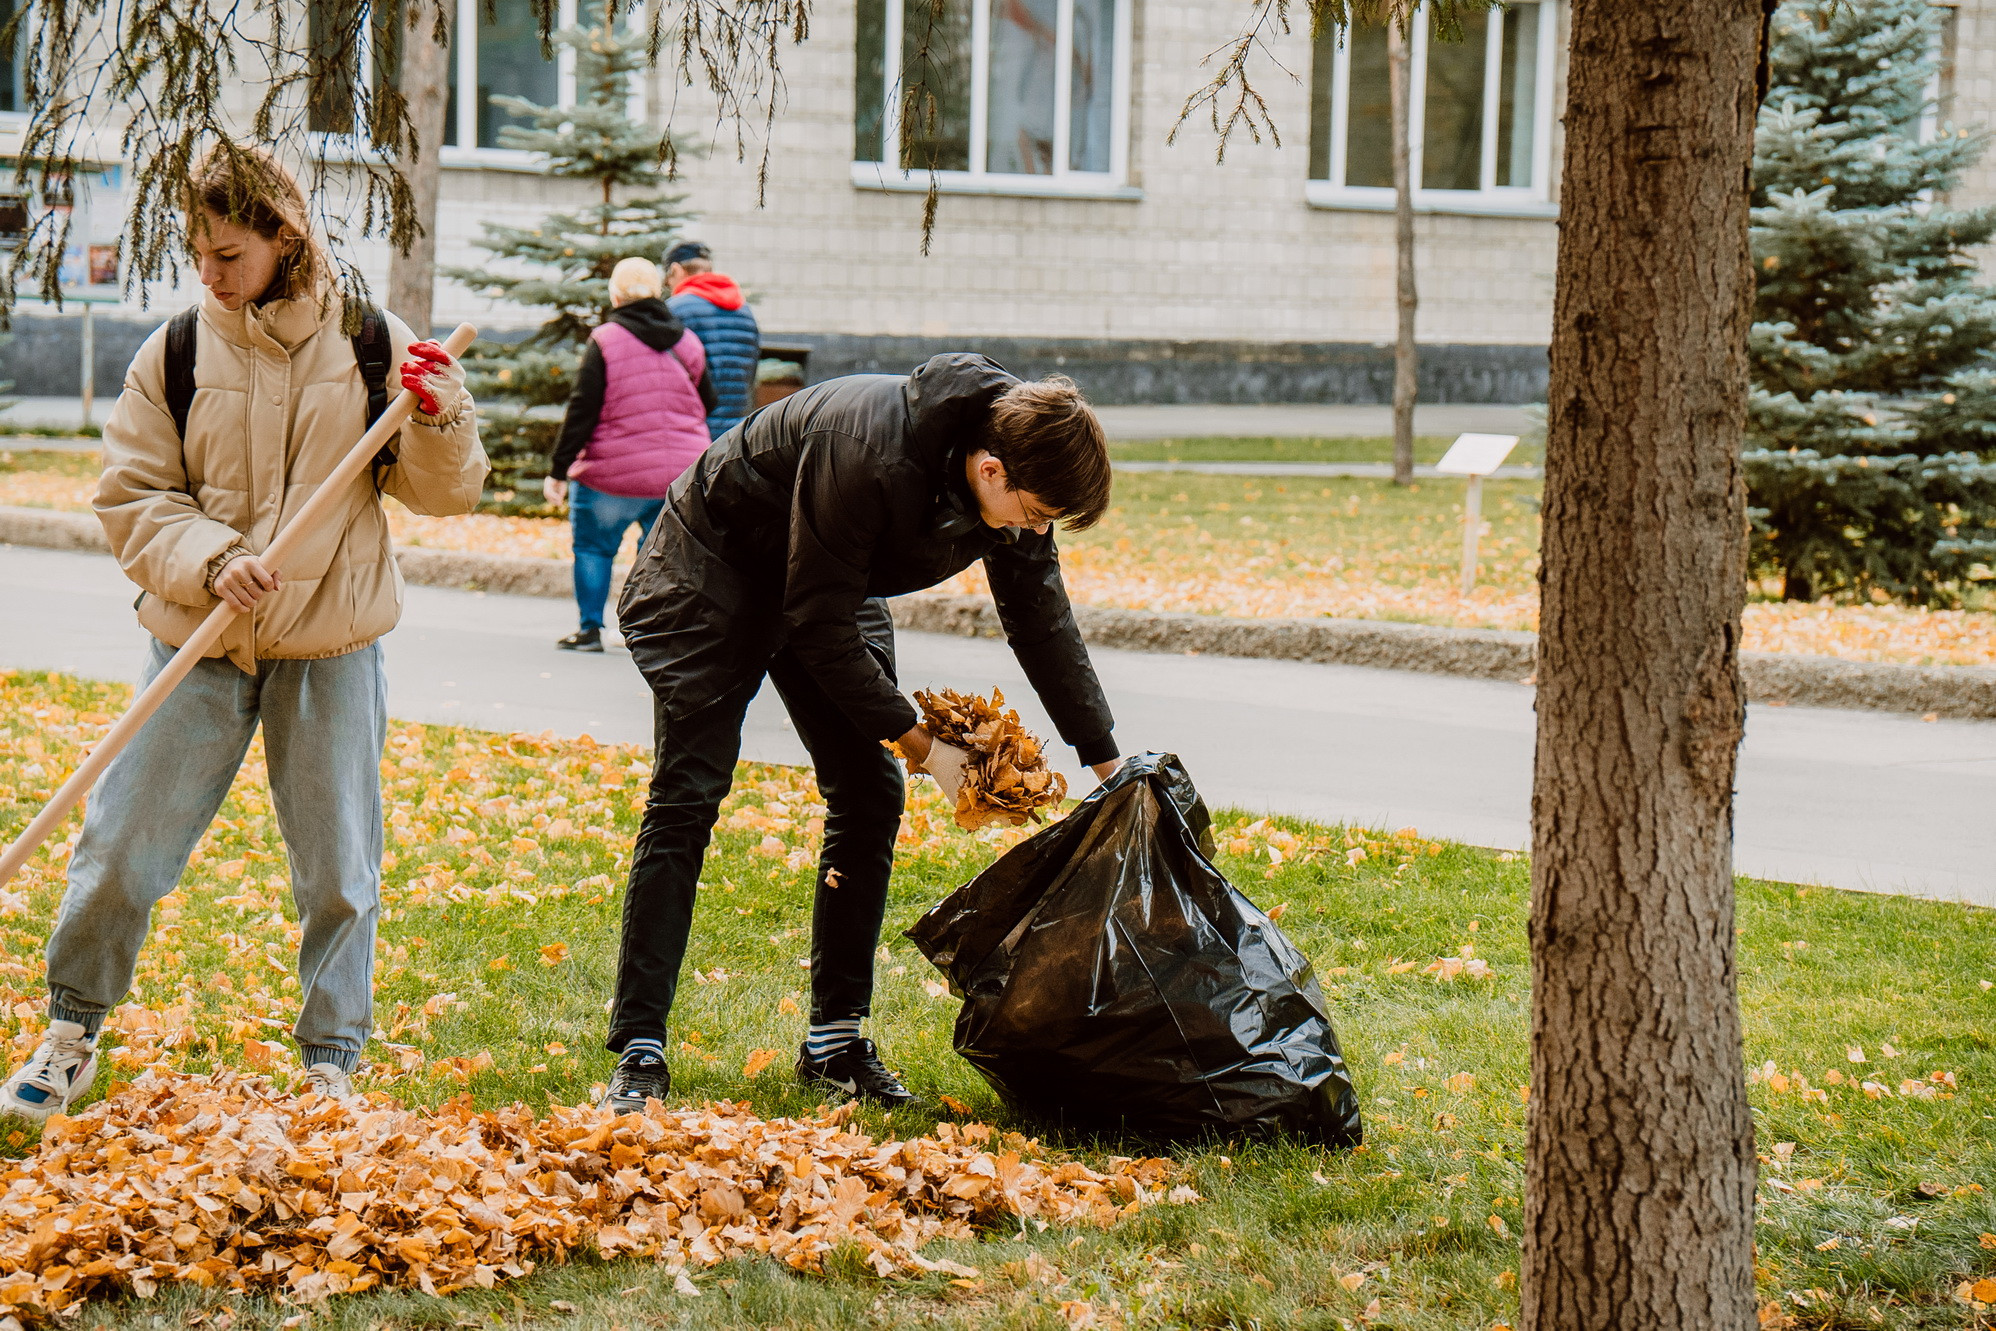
371	351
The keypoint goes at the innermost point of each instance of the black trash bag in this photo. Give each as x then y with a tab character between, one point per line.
1112	979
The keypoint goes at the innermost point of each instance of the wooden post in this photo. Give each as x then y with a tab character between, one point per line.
1472	528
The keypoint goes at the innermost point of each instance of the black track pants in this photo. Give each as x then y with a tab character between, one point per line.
863	790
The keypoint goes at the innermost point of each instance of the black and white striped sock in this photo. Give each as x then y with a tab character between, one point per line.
638	1049
829	1037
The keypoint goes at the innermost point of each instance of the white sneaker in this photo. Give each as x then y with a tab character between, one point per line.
329	1079
59	1073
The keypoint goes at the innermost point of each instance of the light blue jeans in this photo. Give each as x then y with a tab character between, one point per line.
600	521
324	725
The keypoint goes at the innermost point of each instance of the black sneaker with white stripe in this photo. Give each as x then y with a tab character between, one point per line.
858	1071
641	1075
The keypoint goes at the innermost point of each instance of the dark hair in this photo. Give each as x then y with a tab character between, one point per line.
1053	448
687	253
251	188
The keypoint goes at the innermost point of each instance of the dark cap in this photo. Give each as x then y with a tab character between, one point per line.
685	250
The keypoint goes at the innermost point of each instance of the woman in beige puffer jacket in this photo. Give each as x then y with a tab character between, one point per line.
279	400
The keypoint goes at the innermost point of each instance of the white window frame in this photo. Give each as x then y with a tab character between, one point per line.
465	153
1064	182
1490	199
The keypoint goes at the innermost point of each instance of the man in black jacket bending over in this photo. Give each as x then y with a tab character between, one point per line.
769	559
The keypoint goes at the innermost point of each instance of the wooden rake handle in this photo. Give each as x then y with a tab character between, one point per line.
331	492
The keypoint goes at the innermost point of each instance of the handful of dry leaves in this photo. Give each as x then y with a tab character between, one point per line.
225	1181
1006	779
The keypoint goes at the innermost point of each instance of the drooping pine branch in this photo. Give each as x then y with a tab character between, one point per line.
1230	99
162	81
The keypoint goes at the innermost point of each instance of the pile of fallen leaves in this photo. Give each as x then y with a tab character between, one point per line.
1006	779
226	1181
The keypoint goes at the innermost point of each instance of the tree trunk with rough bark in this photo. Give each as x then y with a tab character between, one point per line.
1640	1173
1406	370
425	80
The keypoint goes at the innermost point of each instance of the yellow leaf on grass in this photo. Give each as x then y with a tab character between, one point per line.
1498	1227
788	1006
1352	1281
1984	1291
499	964
759	1059
1397	1056
1462	1083
554	954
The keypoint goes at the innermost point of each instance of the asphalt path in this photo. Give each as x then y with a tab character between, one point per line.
1850	799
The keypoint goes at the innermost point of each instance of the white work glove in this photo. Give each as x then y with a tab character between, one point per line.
437	380
946	763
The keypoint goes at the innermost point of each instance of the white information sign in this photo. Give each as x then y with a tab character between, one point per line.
1476	454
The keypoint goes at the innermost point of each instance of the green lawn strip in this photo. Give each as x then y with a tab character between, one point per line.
1428	449
61	462
1424	1218
1266	528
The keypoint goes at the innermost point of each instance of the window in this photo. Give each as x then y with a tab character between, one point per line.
341	35
505	60
1479	132
13	58
1019	96
1941	90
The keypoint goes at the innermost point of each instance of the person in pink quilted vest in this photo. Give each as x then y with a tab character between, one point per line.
637	418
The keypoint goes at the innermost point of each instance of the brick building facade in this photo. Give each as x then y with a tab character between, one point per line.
1075	233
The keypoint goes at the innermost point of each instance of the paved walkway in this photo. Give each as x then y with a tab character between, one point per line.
1284	421
1852	799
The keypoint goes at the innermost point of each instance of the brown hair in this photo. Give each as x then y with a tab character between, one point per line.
1053	448
251	188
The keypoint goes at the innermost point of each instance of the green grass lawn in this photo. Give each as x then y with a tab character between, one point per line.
1873	1209
54	461
1308	545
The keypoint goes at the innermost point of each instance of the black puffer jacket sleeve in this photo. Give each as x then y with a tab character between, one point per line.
1039	623
837	514
585	408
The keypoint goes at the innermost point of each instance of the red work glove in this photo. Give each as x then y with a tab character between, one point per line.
435	379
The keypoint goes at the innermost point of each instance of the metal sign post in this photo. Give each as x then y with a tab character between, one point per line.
87	371
89	362
1474	456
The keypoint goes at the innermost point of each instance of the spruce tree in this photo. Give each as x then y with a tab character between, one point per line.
594	140
1874	333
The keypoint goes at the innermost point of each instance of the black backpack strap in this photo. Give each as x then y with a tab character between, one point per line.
181	332
372	352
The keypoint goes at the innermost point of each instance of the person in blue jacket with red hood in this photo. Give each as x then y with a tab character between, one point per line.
771	560
711	305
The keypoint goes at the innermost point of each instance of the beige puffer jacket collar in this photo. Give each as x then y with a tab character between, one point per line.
278	402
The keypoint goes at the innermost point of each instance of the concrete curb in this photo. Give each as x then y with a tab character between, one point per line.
1478	653
1805	681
